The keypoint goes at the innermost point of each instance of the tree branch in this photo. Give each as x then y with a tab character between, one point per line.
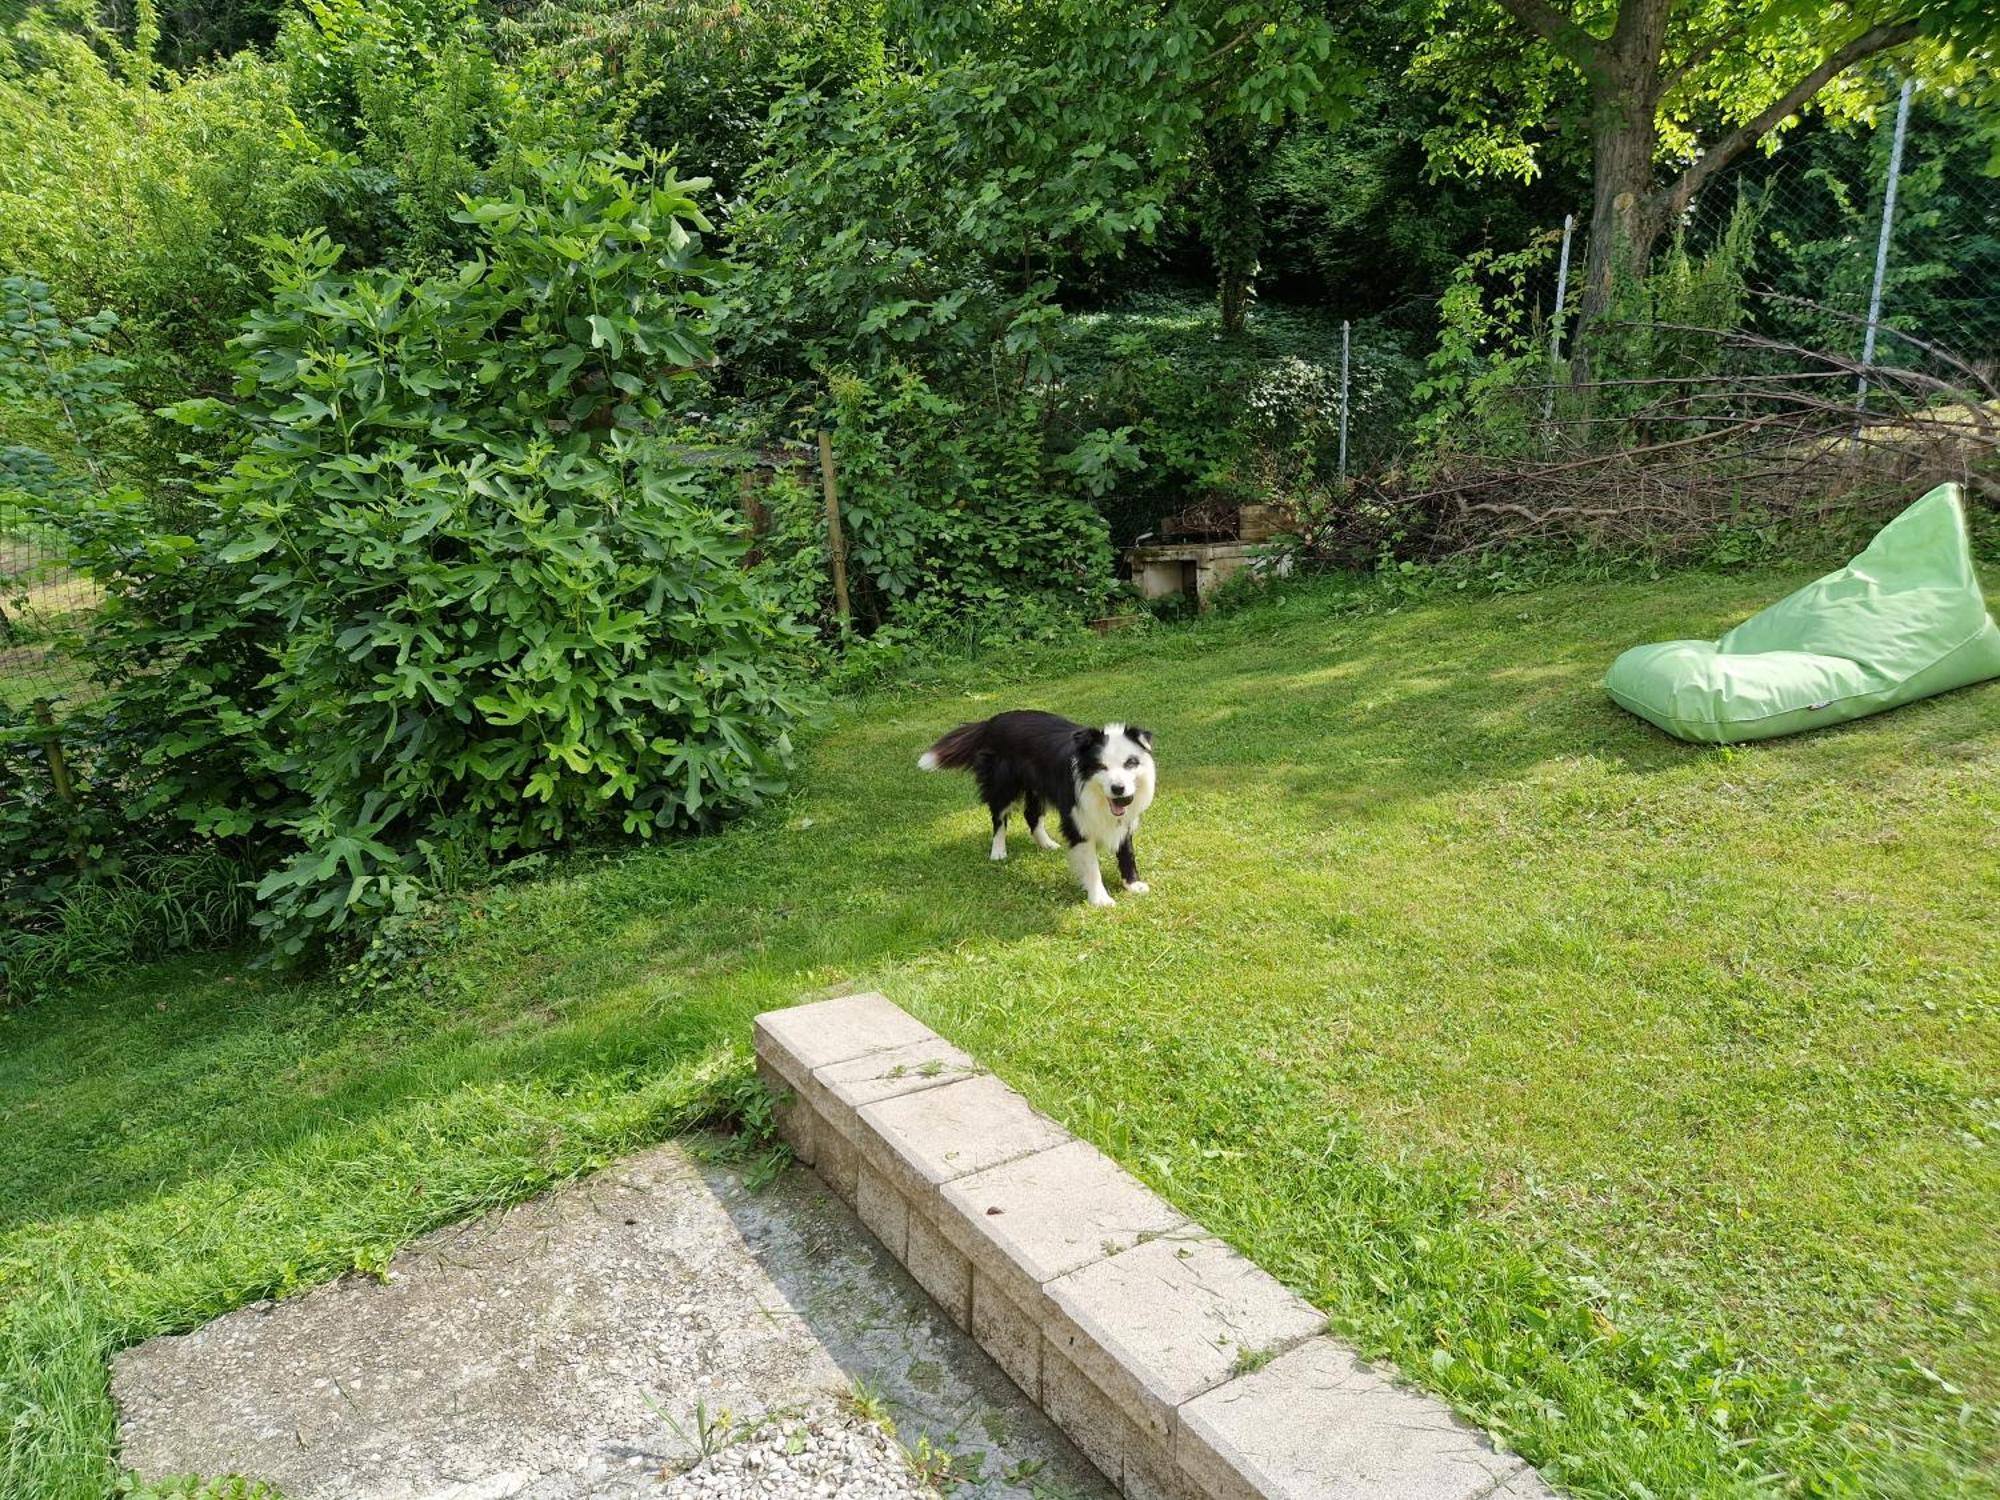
1560	29
1673	199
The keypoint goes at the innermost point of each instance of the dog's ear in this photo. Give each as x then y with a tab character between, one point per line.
1143	738
1088	742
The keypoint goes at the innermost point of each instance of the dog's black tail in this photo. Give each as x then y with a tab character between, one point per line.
956	750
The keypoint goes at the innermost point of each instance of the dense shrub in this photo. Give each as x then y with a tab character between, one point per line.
129	188
697	77
1488	385
952	512
957	522
83	887
448	600
408	109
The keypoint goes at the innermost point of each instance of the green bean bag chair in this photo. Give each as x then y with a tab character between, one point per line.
1902	621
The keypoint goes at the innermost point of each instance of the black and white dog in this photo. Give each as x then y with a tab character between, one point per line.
1098	781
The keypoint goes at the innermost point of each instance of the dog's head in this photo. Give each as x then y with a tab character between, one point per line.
1116	764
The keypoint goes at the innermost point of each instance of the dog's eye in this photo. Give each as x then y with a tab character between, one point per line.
1132	764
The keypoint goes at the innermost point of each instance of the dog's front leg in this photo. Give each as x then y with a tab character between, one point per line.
1083	865
1128	868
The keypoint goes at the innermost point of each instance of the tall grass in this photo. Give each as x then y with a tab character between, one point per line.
158	905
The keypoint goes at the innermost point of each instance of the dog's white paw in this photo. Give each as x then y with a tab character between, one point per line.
1102	898
1043	841
1137	887
998	856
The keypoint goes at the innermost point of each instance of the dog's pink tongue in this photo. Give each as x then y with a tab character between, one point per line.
1117	811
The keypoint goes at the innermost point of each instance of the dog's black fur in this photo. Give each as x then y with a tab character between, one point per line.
1040	760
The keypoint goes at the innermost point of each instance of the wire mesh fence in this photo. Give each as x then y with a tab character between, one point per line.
1868	261
44	601
1882	249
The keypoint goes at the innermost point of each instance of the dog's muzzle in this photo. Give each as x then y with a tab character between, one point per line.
1118	806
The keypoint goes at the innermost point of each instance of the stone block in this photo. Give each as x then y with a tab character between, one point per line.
935	1136
792	1115
806	1037
1029	1221
883	1210
839	1089
1169	1319
1010	1334
836	1159
941	1269
1150	1472
1318	1424
1087	1416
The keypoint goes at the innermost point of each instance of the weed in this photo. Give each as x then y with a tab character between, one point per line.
869	1405
1249	1360
711	1432
940	1467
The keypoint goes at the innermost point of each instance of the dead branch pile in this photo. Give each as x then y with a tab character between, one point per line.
1776	433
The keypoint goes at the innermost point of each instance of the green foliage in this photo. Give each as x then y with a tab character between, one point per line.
1491	342
58	382
894	225
1488	383
1189	95
409	110
1513	106
128	188
84	886
448	591
952	518
81	888
1353	221
699	78
1193	416
1665	325
1820	205
191	1487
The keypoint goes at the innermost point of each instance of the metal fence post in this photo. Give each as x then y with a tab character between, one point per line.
1344	331
836	542
1556	321
1882	239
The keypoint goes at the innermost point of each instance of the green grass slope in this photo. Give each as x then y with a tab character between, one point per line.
1640	1099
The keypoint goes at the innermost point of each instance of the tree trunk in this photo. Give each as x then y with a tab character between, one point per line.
1232	227
1624	216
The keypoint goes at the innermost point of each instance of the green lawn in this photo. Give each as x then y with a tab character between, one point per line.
1642	1099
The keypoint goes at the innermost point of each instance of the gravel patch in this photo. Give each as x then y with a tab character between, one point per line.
825	1457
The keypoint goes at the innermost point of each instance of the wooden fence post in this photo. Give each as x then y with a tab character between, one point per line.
52	747
836	542
65	789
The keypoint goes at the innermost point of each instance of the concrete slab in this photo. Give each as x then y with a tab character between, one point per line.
1318	1424
1169	1319
1029	1221
839	1089
805	1037
936	1136
575	1346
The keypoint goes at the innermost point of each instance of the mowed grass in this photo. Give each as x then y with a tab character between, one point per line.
1640	1098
